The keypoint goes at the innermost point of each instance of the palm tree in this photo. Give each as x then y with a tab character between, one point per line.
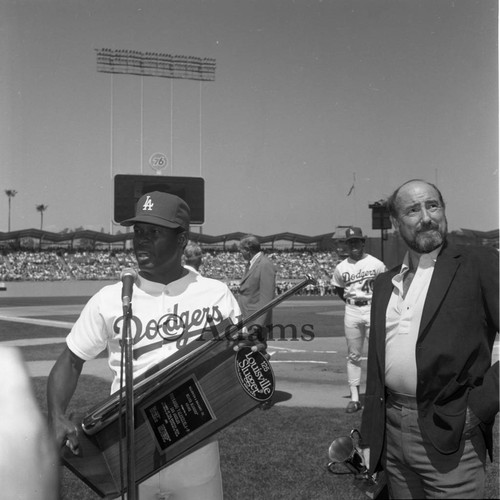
41	209
10	193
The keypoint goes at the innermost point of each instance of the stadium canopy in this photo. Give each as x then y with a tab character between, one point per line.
35	239
88	238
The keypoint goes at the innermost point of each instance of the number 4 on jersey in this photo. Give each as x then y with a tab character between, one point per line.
367	286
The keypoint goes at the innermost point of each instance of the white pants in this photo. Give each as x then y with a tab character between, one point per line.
195	477
357	330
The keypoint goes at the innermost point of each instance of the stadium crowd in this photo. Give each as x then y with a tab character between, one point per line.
228	266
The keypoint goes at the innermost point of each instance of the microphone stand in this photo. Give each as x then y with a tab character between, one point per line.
129	396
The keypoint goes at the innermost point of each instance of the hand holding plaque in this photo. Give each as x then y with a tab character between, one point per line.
249	338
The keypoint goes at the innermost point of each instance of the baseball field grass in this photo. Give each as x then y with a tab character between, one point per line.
278	454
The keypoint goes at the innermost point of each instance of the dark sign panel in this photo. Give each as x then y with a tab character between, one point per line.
129	188
380	216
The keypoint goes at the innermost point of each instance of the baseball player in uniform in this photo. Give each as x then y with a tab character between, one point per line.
171	305
353	281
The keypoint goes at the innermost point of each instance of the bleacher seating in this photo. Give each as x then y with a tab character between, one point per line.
53	265
34	266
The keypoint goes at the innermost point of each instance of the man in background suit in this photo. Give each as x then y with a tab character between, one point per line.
257	286
432	391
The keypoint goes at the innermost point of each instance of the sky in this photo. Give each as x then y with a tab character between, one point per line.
310	98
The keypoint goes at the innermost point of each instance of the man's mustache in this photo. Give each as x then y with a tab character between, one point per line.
428	226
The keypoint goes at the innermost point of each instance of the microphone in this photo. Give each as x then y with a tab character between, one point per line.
346	450
127	277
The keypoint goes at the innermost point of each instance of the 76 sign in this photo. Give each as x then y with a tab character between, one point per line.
158	161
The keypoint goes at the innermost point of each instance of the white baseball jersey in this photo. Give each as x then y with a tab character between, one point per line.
357	277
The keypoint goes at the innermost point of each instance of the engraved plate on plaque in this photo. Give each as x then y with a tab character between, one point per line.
178	413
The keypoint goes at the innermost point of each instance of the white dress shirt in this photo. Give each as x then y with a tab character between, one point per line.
403	317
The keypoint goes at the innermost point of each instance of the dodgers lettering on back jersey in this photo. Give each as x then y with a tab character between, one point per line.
357	277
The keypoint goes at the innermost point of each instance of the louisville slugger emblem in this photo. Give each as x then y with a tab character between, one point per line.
255	374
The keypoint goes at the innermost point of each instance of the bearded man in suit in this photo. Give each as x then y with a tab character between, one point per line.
257	286
432	390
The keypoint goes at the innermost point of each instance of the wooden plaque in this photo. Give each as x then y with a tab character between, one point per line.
190	404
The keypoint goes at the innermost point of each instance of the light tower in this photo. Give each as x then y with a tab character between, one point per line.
10	193
155	64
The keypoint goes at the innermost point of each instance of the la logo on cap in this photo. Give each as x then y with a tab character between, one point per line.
148	204
161	209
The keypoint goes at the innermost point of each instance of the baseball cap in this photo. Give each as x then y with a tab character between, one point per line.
354	233
161	209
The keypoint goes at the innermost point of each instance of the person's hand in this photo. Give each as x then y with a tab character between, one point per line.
471	421
66	433
249	338
366	457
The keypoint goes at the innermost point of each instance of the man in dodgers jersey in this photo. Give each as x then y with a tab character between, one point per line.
171	307
353	281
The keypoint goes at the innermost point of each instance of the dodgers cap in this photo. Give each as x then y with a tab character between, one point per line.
161	209
354	233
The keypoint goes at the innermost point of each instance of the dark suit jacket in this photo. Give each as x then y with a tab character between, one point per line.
453	351
257	288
